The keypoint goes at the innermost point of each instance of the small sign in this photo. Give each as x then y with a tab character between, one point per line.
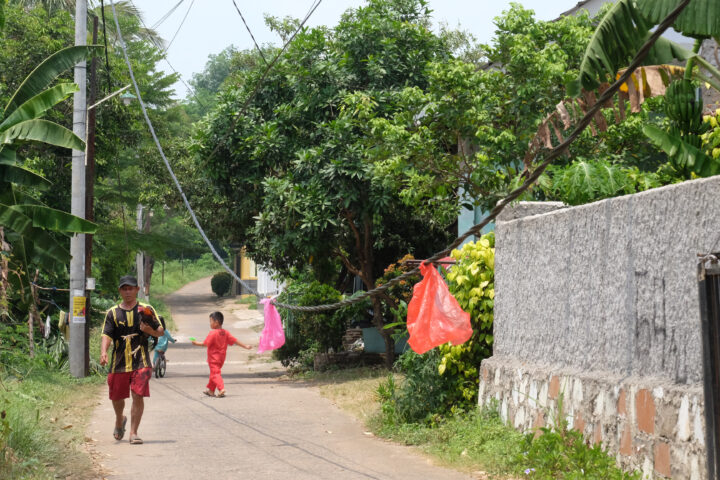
78	308
78	320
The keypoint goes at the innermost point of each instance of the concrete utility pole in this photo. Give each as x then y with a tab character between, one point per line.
78	307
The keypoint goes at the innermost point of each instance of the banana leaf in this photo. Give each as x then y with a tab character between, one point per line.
618	37
46	72
7	153
13	173
42	131
39	104
700	17
56	220
684	156
42	250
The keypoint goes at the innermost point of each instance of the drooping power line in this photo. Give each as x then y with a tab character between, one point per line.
251	34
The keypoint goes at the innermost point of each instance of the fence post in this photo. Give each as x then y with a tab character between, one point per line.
709	290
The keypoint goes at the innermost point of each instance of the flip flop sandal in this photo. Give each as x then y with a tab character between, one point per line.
209	393
119	433
136	440
221	393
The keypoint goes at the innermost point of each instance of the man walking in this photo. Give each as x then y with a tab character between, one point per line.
127	327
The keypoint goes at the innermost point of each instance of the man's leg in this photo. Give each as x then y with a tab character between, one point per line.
119	407
136	413
139	388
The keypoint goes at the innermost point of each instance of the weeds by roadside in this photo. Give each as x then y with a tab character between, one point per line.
472	441
43	421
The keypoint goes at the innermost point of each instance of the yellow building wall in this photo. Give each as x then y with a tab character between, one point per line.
248	269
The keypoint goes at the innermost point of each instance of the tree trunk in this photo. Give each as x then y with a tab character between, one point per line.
4	273
389	342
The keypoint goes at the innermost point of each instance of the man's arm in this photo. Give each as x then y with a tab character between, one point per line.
104	345
147	329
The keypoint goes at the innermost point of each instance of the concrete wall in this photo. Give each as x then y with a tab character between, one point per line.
609	285
601	302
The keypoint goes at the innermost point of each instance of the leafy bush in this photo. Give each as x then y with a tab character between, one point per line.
445	380
472	281
307	333
220	283
422	395
584	181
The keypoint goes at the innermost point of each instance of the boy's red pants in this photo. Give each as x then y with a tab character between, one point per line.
216	380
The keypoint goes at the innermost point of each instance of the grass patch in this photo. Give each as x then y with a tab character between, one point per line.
178	274
250	300
46	414
353	390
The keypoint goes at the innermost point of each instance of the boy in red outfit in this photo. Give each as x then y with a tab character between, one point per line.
217	342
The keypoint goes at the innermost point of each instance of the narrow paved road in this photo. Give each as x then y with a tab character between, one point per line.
266	427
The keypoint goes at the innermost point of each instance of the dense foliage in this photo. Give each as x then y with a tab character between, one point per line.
308	333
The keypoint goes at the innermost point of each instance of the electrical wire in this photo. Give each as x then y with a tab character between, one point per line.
167	15
313	7
164	54
178	29
530	180
251	34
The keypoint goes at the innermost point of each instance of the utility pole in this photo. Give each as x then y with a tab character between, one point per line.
78	306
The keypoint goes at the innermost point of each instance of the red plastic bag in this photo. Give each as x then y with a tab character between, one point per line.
272	336
434	316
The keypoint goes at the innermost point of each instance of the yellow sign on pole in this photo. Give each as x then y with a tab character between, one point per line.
78	313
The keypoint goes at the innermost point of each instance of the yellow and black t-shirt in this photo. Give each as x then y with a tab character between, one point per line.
130	344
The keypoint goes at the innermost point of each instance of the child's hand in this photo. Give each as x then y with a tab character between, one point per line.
248	347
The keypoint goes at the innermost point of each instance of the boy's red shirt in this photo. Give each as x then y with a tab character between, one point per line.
217	342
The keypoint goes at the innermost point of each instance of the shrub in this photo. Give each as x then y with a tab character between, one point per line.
421	396
221	283
472	281
445	380
309	332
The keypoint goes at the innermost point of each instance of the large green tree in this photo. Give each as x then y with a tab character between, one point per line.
295	179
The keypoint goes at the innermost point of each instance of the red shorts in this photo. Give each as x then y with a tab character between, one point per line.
120	383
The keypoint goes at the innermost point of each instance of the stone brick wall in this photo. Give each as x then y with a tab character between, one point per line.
600	302
647	423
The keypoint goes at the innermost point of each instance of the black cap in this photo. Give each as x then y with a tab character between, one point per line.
128	280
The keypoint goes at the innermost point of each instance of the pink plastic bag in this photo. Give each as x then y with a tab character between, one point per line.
272	336
434	316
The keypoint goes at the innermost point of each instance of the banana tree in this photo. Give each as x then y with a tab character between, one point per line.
616	40
27	226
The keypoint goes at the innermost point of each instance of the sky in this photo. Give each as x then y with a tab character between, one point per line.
213	25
